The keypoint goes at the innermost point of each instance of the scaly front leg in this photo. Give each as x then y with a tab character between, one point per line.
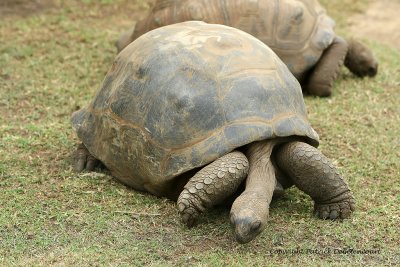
212	185
314	174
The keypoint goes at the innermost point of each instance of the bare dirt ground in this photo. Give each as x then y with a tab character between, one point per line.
23	7
380	22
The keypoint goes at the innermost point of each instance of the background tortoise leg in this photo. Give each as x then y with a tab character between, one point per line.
360	60
314	174
326	70
212	185
250	211
84	160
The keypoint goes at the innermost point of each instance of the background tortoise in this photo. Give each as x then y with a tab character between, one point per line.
298	31
189	111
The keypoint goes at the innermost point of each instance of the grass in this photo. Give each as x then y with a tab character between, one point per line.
52	62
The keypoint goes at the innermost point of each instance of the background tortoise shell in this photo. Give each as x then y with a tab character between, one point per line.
183	95
298	31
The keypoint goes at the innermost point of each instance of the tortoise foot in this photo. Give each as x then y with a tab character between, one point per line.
84	160
333	211
327	69
189	208
212	185
315	175
360	60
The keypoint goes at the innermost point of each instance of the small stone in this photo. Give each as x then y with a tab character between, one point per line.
30	235
232	170
220	174
239	166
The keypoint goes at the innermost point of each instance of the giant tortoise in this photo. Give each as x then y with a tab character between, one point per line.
190	111
298	31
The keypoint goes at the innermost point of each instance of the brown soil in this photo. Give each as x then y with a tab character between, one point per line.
23	7
380	22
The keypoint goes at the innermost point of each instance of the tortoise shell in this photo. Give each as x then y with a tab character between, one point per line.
183	95
298	31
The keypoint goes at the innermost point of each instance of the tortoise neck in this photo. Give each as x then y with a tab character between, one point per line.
261	177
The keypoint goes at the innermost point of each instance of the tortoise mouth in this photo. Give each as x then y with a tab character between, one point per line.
363	70
372	71
245	236
246	228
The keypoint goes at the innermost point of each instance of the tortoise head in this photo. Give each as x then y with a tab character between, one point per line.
360	60
248	217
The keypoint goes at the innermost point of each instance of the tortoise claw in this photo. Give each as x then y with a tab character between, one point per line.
91	163
80	164
335	211
188	214
84	160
